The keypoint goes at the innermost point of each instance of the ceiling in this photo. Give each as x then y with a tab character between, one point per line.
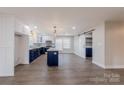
64	18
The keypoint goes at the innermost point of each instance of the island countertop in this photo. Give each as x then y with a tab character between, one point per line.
52	49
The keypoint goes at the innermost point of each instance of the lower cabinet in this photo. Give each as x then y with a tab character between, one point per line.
35	53
52	58
88	52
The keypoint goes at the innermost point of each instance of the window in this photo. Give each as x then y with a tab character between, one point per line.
63	43
59	44
66	43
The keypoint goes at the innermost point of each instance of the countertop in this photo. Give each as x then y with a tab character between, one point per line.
52	49
35	48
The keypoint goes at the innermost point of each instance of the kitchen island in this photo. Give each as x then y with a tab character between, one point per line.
52	57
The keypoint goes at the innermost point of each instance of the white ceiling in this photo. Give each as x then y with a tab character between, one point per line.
64	18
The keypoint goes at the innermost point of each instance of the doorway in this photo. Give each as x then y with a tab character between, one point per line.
21	50
88	43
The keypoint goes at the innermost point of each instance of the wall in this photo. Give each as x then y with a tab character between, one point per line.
76	45
20	27
114	44
17	59
21	35
99	45
25	49
8	27
79	45
108	45
21	49
6	45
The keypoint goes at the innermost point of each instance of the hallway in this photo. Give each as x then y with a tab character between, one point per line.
72	70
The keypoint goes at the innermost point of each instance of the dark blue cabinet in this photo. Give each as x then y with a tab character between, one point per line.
35	53
88	52
52	58
43	50
31	56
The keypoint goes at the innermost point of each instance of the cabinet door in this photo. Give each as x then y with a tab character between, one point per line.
88	52
55	58
52	58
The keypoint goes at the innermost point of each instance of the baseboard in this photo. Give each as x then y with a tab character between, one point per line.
75	53
26	62
109	66
98	64
7	75
115	67
78	55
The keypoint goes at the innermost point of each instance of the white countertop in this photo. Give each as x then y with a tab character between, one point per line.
87	46
52	49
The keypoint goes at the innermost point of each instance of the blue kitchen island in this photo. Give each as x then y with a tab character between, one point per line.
52	57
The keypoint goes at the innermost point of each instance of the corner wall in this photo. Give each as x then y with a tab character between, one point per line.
114	44
108	45
21	49
99	45
79	46
6	45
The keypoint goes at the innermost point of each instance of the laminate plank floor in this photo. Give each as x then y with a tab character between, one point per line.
72	70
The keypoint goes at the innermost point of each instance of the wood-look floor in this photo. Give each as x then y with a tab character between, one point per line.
72	70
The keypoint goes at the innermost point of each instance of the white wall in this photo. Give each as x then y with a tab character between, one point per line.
76	45
8	26
21	36
99	45
114	44
17	54
79	45
25	49
108	45
20	27
82	49
6	45
21	49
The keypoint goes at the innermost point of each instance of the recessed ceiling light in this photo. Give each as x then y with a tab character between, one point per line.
73	27
35	27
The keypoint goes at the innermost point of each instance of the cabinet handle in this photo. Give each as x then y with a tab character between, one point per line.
55	53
